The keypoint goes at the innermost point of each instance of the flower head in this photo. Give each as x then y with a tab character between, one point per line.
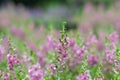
85	76
93	60
36	73
12	60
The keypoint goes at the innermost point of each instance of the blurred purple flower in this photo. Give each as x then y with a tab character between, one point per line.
117	66
89	8
60	48
6	76
19	33
12	60
52	67
41	57
110	55
36	73
71	42
114	38
100	45
92	41
85	76
93	60
80	52
32	47
98	78
51	43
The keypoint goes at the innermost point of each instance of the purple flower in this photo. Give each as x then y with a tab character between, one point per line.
110	55
114	38
80	52
60	48
12	61
100	45
32	47
93	60
89	8
41	57
51	43
92	41
64	56
6	76
19	33
71	42
36	73
85	76
117	65
98	78
52	67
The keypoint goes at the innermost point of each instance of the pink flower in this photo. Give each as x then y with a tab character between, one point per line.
60	48
64	56
6	76
93	60
51	43
100	45
92	41
41	57
80	52
19	33
32	47
114	38
117	65
36	73
52	67
89	8
12	61
71	42
85	76
110	55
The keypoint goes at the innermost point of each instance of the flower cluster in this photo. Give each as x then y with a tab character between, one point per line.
85	76
93	60
12	61
36	73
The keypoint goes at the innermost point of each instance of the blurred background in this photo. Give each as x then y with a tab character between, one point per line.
53	12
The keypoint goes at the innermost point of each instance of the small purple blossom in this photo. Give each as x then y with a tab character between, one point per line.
80	52
36	73
92	41
85	76
12	61
19	33
93	60
110	55
60	48
41	57
52	67
117	65
6	76
71	42
51	43
98	79
100	45
114	38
